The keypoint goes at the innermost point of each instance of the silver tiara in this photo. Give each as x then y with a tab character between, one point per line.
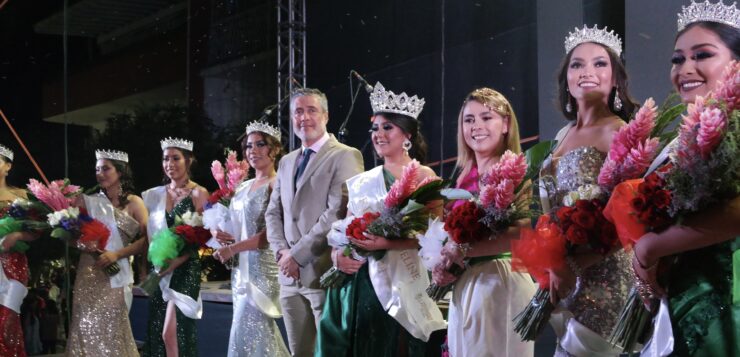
111	155
176	143
706	11
587	34
383	101
4	151
263	127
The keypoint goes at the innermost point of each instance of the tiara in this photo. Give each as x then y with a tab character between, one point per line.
383	101
263	127
587	34
4	151
111	155
706	11
176	143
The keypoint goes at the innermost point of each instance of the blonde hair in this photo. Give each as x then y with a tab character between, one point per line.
496	102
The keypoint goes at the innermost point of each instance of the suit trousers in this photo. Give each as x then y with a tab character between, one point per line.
302	308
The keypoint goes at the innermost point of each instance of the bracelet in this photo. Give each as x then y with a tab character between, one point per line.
643	265
574	266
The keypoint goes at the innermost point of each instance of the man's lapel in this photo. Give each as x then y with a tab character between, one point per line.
316	162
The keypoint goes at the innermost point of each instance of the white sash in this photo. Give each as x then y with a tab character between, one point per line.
661	342
12	291
399	278
245	287
100	208
155	200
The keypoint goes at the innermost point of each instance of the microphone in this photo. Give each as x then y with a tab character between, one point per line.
368	87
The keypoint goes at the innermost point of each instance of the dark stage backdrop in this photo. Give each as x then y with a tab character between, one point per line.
439	50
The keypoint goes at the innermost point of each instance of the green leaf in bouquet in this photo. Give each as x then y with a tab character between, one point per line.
455	194
410	207
671	110
429	192
19	247
61	233
535	156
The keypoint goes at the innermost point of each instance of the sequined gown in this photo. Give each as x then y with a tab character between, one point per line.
601	292
186	280
254	282
100	325
15	266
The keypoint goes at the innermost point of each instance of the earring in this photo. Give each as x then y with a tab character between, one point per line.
568	107
617	101
407	146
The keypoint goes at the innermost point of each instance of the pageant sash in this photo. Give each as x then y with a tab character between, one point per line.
578	339
100	208
12	292
399	279
244	286
155	200
661	342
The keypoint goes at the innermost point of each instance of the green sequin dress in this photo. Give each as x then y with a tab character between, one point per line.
705	320
354	323
186	280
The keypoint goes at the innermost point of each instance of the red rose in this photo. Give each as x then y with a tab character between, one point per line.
646	216
584	219
661	198
608	235
585	205
563	213
576	235
638	203
463	223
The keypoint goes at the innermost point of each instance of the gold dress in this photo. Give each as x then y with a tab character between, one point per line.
100	325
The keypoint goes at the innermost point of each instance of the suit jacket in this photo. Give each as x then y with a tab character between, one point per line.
299	219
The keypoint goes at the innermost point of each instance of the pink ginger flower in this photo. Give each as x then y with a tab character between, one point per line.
712	125
217	170
231	162
608	173
511	166
428	180
52	195
235	177
499	196
66	188
728	88
639	159
404	186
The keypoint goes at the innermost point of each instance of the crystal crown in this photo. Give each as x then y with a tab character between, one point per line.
111	155
263	127
385	101
4	151
176	143
587	34
706	11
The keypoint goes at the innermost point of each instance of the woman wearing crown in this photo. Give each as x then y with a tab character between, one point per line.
702	289
367	315
488	294
13	268
102	295
254	281
171	330
590	290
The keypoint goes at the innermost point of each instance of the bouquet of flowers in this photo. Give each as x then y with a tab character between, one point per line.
66	222
22	216
703	170
502	202
403	216
579	223
228	176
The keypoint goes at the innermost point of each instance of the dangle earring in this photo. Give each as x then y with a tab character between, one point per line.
617	101
568	106
406	146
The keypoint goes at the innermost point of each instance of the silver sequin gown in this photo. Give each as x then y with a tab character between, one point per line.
601	292
254	282
100	325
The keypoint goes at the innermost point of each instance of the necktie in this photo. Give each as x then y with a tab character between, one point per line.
302	166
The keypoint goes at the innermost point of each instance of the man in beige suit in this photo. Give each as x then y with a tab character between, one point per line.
309	196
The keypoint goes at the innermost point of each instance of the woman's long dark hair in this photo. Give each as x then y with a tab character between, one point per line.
126	179
276	149
410	126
